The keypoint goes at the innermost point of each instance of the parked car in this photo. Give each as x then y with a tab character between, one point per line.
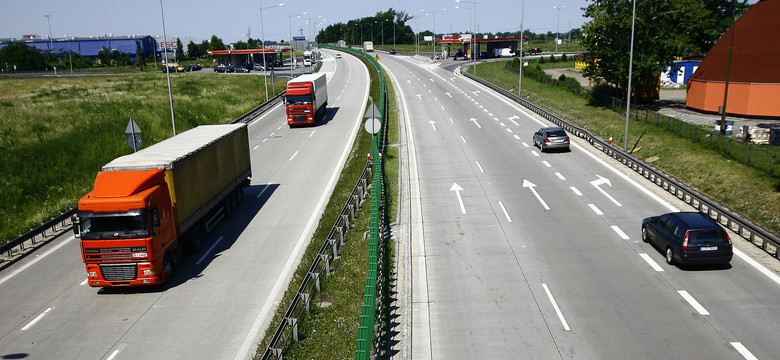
195	67
259	67
179	68
278	63
552	137
221	69
535	51
169	69
240	69
688	238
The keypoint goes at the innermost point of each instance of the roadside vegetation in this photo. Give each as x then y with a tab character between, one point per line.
751	192
329	330
56	133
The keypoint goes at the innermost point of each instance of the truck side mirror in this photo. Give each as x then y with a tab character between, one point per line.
76	228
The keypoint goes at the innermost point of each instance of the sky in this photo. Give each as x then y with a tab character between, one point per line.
231	21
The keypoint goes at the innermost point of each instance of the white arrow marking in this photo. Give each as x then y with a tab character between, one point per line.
448	94
457	189
433	124
514	117
409	81
475	92
600	181
513	121
475	122
530	185
431	80
419	96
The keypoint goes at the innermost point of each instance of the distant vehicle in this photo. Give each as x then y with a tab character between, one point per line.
392	51
502	52
179	68
368	46
535	51
338	56
169	68
221	69
240	69
259	67
688	238
552	137
278	62
307	58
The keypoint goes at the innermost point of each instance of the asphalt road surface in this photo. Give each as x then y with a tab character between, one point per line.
220	300
508	252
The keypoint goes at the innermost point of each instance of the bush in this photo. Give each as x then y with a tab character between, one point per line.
562	77
515	63
564	58
542	60
552	58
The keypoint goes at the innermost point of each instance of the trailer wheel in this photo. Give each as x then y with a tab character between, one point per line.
194	240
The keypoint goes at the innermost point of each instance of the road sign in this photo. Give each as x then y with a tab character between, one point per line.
132	127
373	125
134	141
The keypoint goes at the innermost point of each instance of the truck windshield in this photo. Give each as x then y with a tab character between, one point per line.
108	226
298	99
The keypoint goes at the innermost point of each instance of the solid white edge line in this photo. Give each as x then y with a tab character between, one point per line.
38	258
742	350
37	318
651	262
761	268
505	213
208	252
286	274
700	309
555	306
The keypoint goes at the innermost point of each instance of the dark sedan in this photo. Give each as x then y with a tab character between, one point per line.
688	238
552	137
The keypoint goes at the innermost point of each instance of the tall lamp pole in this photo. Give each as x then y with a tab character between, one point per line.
520	73
558	24
262	34
51	42
167	68
434	26
630	69
475	50
292	50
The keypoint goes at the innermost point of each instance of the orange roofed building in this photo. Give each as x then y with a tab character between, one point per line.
754	84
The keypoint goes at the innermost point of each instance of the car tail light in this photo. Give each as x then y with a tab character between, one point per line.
546	140
567	138
685	241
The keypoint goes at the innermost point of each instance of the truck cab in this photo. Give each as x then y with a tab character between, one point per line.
126	229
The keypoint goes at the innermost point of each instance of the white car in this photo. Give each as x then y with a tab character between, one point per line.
338	56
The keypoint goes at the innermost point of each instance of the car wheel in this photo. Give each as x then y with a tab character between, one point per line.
644	235
669	256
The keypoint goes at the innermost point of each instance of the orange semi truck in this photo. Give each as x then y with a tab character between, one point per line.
306	97
146	206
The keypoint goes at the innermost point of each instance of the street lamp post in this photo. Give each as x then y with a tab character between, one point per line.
434	27
167	68
51	41
473	36
520	73
630	69
262	34
292	50
558	24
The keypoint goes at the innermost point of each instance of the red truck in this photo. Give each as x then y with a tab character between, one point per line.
146	206
306	97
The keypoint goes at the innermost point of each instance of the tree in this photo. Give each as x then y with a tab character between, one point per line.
664	29
194	51
22	56
179	49
140	61
216	44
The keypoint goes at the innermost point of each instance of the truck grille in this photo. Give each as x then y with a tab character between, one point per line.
112	272
299	118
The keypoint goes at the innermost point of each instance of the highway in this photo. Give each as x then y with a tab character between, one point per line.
508	252
221	299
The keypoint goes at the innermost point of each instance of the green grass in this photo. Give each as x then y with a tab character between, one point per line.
329	332
751	192
56	133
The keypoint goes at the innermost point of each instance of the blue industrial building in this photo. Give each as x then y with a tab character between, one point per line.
90	46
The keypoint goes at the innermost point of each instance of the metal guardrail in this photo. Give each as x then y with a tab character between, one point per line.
61	223
287	332
743	227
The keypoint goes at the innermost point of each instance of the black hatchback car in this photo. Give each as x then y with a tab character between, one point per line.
688	238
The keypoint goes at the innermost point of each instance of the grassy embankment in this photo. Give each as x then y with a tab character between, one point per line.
428	48
753	193
330	329
56	133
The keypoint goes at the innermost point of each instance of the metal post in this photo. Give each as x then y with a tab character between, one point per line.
167	69
630	68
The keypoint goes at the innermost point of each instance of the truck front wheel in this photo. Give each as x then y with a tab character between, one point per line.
168	267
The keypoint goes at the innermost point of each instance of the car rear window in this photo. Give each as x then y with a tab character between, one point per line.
556	133
706	236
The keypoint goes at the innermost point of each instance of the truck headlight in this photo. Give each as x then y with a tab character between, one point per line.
149	272
91	273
